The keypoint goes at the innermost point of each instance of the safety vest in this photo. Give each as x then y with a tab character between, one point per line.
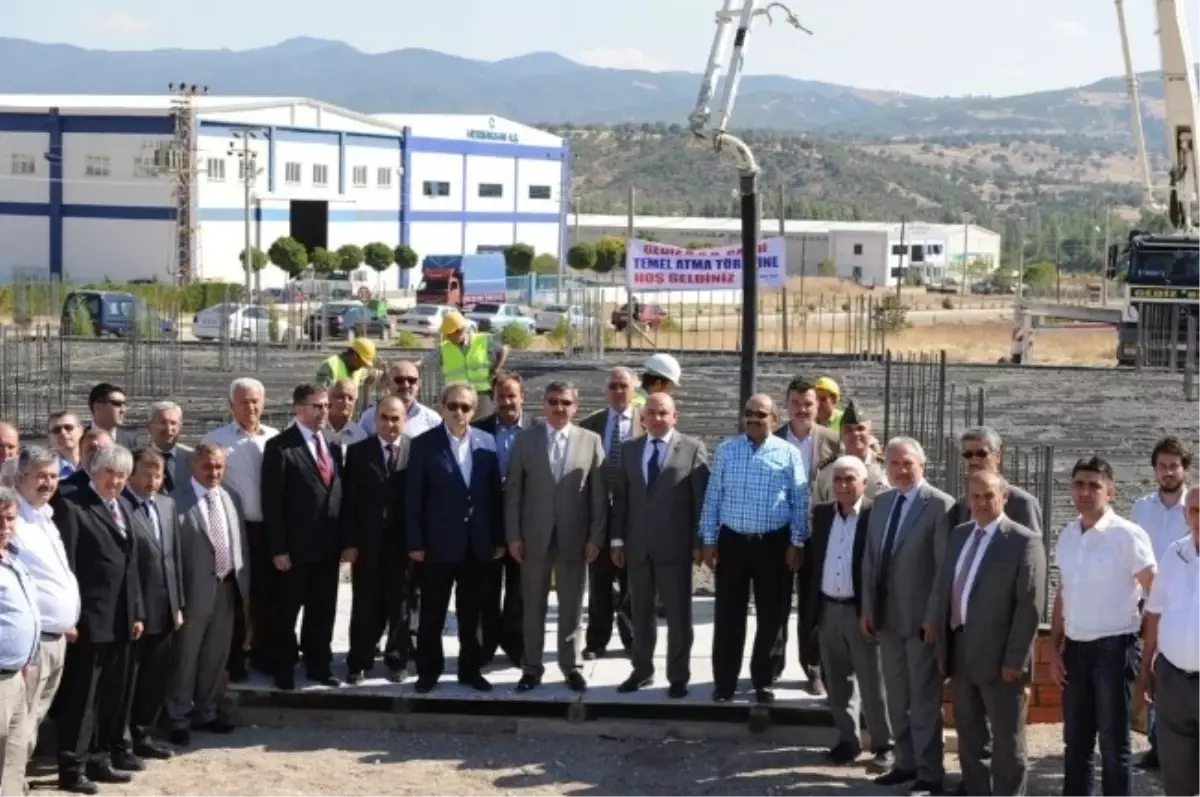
835	421
473	367
639	398
334	369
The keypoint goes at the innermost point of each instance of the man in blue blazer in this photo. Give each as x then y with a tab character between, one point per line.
455	529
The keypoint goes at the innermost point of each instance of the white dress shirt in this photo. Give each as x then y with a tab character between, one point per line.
1164	524
837	574
1175	597
419	419
460	449
243	464
989	531
625	426
350	433
310	436
805	444
648	451
40	549
1099	592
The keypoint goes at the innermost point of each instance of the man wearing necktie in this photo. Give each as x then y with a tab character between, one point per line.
906	544
617	423
166	423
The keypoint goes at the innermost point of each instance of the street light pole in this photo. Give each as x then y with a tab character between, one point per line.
248	168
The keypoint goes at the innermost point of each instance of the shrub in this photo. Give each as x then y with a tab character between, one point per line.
947	303
562	334
669	325
273	331
890	315
407	339
516	336
80	322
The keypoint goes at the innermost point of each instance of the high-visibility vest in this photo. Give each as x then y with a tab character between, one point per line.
835	421
473	366
639	397
332	370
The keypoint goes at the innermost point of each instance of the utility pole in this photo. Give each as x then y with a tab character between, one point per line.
903	252
180	160
248	171
1104	254
1057	262
783	237
629	303
966	263
1020	258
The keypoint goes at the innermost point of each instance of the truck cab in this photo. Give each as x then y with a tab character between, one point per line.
1162	292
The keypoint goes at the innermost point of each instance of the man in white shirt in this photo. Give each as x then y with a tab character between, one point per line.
405	380
1106	565
243	441
1160	514
342	431
1170	671
40	549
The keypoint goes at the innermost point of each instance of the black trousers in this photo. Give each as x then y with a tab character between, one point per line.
500	611
313	587
466	579
94	704
744	563
151	672
608	599
380	582
810	651
262	611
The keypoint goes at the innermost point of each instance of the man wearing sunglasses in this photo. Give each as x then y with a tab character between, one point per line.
64	432
108	405
982	452
404	382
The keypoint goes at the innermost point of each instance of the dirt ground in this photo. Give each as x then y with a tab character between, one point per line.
303	761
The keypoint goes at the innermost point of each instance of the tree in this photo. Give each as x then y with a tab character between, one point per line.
582	256
406	257
647	235
610	254
289	254
324	262
826	267
349	257
694	245
1041	274
518	259
258	258
378	255
545	263
1152	222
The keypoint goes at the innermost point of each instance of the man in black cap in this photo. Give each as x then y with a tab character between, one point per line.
856	441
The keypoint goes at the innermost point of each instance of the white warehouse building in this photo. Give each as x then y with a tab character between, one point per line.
87	194
862	251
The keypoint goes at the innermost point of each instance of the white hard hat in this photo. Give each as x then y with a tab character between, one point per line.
663	365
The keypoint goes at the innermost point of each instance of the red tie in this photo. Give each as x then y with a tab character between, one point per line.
324	467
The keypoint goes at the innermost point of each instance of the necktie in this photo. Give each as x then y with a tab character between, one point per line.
885	555
652	467
324	466
114	512
614	453
556	455
168	473
960	580
148	508
218	536
393	457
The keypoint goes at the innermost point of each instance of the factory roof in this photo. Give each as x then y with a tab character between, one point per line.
768	226
135	102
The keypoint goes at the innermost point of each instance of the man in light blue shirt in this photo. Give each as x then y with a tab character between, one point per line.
20	632
754	522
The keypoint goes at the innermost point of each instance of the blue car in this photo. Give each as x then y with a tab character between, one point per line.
111	314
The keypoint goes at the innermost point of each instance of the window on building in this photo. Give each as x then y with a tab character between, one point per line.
899	249
491	190
918	253
858	249
24	164
539	192
435	188
360	177
216	170
97	166
291	173
383	177
320	174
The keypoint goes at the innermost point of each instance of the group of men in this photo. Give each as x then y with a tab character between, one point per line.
140	578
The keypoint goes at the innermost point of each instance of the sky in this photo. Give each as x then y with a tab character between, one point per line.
950	48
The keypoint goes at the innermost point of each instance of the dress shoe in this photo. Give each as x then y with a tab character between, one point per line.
424	686
476	681
883	761
105	773
149	749
815	687
677	691
325	679
128	762
1148	761
894	777
78	784
285	680
215	726
355	677
397	676
528	682
764	696
591	654
634	683
925	787
576	682
180	737
843	753
721	696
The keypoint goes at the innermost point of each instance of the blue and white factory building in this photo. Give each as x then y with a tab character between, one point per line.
86	192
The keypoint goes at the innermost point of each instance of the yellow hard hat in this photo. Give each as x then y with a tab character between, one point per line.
453	322
365	350
829	386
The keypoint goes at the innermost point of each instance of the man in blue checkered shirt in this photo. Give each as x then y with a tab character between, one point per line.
753	527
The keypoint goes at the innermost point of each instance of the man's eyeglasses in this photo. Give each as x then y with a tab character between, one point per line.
455	406
116	402
319	407
63	428
390	418
405	380
975	454
560	402
619	386
758	414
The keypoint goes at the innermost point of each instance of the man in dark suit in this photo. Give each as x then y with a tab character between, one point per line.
502	592
160	575
616	424
982	452
372	521
108	405
830	592
988	598
301	499
94	699
455	527
657	498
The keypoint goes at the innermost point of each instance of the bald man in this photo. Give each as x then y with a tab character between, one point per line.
10	444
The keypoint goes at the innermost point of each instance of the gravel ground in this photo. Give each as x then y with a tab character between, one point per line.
258	760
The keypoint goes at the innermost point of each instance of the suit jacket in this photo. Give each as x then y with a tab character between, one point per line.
491	425
125	436
660	523
300	513
196	549
572	511
917	553
814	560
105	563
825	445
448	519
1003	606
1021	508
179	466
599	419
372	511
822	485
160	567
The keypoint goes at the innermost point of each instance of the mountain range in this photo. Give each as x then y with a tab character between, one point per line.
547	88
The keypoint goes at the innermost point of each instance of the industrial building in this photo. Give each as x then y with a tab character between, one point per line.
865	252
147	187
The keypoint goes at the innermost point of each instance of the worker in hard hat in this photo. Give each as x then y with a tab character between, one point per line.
660	374
469	356
829	395
355	363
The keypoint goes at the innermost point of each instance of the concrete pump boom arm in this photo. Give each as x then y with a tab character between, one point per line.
1182	120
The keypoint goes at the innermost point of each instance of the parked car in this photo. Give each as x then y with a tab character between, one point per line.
491	317
248	322
343	317
111	313
426	319
650	315
547	320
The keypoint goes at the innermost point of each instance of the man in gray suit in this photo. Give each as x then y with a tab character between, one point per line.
982	452
987	603
906	543
657	497
556	514
166	423
215	574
